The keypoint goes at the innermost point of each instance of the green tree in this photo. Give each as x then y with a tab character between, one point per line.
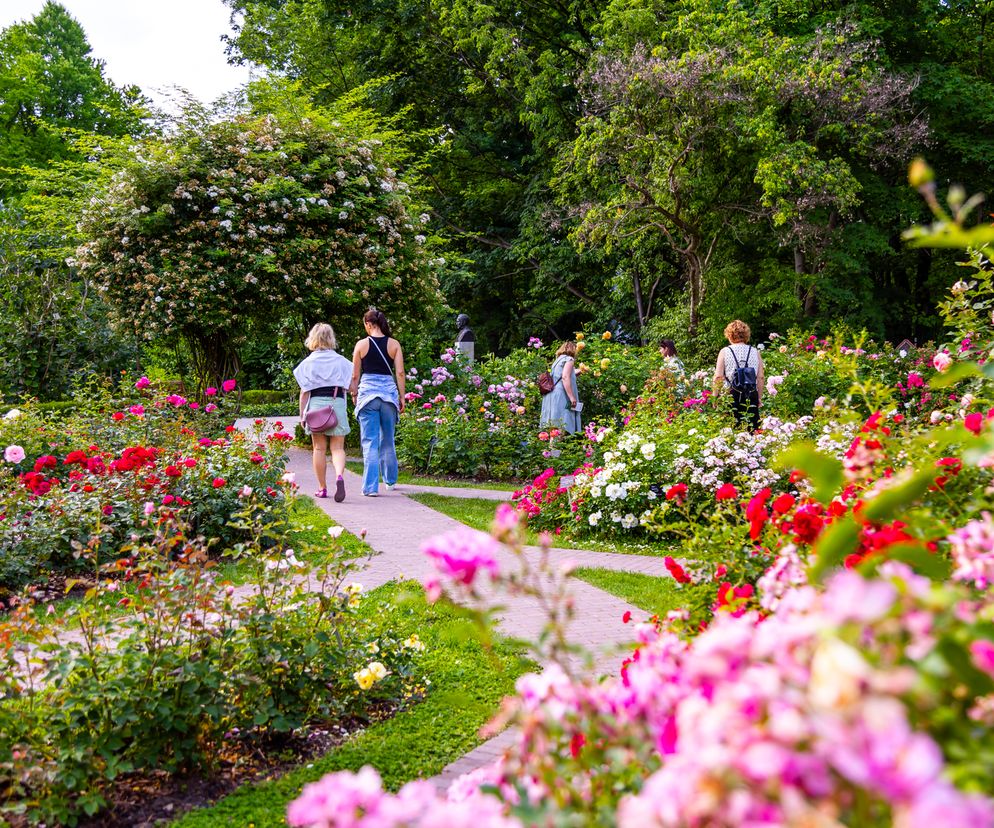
719	123
491	90
50	84
239	224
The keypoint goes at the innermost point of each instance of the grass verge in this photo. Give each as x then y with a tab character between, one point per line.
406	478
655	595
479	513
467	682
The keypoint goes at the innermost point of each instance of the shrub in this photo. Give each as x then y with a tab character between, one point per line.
184	668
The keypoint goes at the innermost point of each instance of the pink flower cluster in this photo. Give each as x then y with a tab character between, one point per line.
973	552
357	800
461	554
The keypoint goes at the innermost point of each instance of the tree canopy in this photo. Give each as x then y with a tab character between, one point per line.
50	83
229	224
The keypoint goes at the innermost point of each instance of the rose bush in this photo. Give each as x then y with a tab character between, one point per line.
86	487
166	666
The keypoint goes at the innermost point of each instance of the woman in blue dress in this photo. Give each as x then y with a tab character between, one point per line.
559	406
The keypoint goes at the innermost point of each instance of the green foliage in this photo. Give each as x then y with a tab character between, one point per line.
193	671
223	223
416	743
717	118
49	86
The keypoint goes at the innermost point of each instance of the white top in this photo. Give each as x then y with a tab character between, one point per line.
323	368
745	353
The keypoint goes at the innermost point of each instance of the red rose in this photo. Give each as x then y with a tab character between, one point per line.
219	482
173	471
783	504
626	617
117	415
974	422
726	492
677	492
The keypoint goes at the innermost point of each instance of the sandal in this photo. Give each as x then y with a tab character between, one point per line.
321	493
339	490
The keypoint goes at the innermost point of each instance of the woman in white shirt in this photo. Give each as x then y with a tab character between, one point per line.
740	369
324	378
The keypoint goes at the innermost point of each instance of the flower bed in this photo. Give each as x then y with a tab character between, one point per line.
166	667
481	420
74	491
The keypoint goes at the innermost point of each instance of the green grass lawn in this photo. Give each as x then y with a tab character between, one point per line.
655	595
479	513
467	683
406	478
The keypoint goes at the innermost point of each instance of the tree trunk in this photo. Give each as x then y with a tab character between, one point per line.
215	359
695	278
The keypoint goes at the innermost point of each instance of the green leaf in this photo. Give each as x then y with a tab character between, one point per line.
824	471
956	373
914	555
834	545
897	498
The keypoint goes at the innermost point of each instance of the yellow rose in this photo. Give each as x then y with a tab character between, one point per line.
580	346
364	679
606	335
373	647
604	363
377	670
597	373
414	643
579	337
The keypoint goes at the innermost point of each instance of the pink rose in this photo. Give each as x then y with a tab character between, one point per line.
942	361
13	454
228	386
210	392
142	383
461	553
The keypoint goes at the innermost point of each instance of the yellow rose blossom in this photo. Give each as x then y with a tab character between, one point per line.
606	335
604	363
579	337
364	679
414	643
377	670
580	346
373	647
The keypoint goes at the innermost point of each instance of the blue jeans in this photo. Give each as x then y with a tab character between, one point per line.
377	425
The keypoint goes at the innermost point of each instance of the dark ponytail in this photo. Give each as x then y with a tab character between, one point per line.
378	318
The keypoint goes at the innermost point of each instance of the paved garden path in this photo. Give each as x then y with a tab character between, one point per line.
397	526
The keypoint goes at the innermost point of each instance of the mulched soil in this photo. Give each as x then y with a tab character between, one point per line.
155	799
150	800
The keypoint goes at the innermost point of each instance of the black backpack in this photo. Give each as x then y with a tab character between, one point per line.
743	377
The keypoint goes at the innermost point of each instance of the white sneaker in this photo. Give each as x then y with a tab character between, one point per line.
390	486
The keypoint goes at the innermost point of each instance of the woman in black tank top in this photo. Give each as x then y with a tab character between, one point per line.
376	360
379	400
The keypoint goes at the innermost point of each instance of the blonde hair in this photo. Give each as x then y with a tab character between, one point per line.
737	331
568	348
321	338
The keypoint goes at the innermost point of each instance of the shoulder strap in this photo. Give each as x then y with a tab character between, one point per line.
731	350
383	355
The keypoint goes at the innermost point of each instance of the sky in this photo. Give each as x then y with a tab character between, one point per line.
155	44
